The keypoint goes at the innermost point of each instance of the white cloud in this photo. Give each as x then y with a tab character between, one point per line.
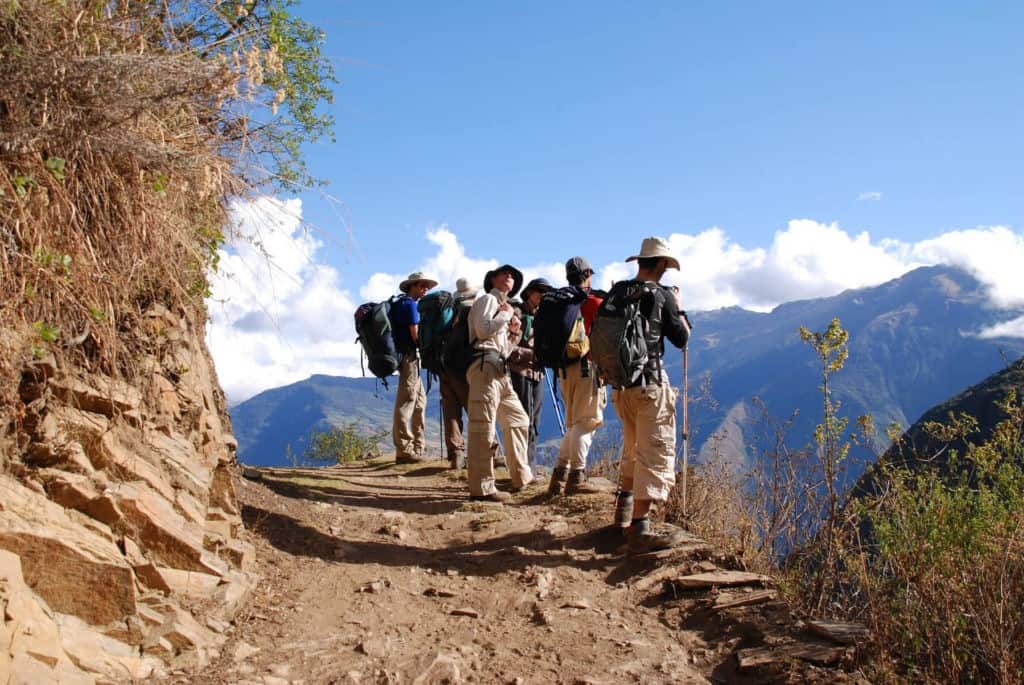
276	315
280	320
870	196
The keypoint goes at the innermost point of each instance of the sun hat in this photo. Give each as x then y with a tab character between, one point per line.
463	290
577	266
517	277
655	248
414	278
541	285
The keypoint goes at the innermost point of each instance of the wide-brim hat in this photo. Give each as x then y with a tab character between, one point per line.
541	285
463	290
655	248
517	276
414	278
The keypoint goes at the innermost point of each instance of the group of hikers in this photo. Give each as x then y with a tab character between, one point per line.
489	352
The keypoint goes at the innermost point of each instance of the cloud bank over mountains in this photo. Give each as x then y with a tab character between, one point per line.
280	314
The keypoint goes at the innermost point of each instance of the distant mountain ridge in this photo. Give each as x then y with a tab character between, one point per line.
912	344
979	401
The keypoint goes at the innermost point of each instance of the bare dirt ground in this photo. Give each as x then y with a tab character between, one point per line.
377	573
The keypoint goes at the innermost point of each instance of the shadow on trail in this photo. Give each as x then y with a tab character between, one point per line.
512	552
410	500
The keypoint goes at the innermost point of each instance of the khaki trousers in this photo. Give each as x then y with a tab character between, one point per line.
584	413
491	398
410	409
648	416
454	400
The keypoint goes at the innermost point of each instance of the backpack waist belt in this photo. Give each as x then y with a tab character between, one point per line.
499	362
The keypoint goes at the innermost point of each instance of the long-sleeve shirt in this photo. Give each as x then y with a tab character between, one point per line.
488	327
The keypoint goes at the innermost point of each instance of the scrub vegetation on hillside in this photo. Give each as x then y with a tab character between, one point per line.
930	558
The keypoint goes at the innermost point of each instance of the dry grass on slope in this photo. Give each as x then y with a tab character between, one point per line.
124	126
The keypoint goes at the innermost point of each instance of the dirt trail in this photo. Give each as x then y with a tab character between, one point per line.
376	573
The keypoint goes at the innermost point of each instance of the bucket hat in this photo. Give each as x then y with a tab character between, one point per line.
655	247
414	278
541	285
517	277
463	290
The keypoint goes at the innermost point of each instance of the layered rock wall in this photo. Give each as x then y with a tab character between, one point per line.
121	547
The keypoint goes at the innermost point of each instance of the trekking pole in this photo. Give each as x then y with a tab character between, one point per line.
554	403
686	427
440	416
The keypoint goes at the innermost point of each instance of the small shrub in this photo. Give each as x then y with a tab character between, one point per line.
341	444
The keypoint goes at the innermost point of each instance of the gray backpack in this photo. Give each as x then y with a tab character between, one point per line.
618	338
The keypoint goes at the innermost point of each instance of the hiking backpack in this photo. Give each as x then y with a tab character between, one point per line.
437	310
373	328
458	350
559	334
618	338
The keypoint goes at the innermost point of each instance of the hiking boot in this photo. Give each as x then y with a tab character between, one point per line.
623	509
523	487
579	485
409	459
496	496
642	540
557	478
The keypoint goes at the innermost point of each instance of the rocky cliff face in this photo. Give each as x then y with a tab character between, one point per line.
121	549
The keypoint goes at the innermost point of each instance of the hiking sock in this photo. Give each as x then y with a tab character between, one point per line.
623	509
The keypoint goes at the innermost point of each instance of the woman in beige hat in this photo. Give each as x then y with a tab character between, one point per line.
409	420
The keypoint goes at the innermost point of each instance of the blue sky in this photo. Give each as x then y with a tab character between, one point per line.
532	131
516	123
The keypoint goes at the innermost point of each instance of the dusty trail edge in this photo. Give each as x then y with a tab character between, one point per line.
377	573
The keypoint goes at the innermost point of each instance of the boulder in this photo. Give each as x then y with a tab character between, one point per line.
61	557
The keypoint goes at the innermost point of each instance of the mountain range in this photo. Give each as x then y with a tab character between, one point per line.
913	342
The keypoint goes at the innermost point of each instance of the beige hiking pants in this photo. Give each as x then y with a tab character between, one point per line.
410	409
584	413
648	416
491	398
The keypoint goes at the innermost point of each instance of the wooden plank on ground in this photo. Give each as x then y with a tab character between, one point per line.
728	600
814	652
843	633
699	581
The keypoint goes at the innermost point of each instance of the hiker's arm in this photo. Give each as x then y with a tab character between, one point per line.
487	319
673	324
414	333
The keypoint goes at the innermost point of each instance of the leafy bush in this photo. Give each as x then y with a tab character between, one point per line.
940	574
341	444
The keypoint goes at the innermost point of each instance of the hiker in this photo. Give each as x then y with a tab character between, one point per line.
645	402
583	393
410	401
454	388
491	397
524	372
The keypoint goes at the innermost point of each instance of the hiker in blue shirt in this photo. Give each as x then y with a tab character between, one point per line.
410	414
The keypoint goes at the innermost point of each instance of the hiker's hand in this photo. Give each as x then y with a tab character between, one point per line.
505	307
514	325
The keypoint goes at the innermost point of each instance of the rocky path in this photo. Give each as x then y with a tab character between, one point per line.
376	573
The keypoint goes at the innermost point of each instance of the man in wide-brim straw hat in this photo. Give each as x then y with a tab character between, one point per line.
410	415
492	328
646	406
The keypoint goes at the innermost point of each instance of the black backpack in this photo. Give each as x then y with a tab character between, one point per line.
458	350
618	338
373	326
437	311
556	322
